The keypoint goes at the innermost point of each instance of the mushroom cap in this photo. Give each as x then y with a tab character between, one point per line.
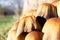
34	35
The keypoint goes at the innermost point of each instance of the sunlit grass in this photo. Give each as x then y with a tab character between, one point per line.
5	25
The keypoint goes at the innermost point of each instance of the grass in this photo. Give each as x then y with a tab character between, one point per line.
5	24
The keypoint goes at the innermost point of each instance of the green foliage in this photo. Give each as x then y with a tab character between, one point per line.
5	25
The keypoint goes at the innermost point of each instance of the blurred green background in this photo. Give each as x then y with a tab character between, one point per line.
10	11
7	19
5	24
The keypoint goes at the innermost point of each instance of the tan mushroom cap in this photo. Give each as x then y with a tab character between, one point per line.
34	36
